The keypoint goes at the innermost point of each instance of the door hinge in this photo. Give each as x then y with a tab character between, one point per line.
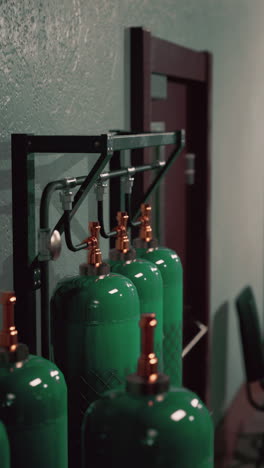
190	169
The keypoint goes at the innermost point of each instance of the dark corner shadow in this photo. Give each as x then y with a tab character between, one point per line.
219	353
127	123
6	278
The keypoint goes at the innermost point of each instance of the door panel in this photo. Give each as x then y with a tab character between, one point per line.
173	112
185	207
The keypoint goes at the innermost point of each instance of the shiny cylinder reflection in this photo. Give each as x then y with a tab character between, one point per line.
166	430
169	265
95	341
33	407
148	281
4	448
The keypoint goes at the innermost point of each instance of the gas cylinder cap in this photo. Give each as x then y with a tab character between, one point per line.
10	349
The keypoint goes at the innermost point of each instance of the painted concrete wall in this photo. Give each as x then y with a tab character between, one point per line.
237	181
64	70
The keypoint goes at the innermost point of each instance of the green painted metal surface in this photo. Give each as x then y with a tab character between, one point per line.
95	340
169	264
33	407
4	448
148	281
140	252
167	430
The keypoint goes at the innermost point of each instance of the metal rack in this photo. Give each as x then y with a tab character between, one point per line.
31	270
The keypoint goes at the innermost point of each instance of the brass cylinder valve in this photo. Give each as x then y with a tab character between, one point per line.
10	349
145	232
94	264
147	380
122	240
148	362
8	334
94	252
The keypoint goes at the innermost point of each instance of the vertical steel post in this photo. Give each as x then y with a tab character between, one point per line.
23	211
140	78
114	193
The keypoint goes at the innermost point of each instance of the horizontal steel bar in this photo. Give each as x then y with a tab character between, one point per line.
131	170
67	144
75	181
98	144
123	142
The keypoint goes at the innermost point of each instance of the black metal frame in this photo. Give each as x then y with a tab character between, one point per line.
29	273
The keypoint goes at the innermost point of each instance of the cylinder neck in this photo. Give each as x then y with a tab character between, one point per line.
147	380
122	241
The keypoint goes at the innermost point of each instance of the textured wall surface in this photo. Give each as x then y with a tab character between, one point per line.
64	70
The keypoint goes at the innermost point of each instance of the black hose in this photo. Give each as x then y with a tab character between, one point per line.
100	216
67	233
128	210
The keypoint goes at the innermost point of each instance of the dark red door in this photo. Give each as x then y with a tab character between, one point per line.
172	111
185	208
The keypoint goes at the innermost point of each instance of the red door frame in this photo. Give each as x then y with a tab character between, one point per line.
153	55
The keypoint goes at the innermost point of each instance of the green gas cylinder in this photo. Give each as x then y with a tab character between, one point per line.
170	267
150	425
4	448
144	275
33	401
94	319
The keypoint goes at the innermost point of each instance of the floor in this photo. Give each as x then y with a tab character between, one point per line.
240	435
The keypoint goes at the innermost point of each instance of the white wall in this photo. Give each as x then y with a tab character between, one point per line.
237	168
63	70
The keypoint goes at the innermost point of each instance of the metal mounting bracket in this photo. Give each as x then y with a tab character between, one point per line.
30	272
